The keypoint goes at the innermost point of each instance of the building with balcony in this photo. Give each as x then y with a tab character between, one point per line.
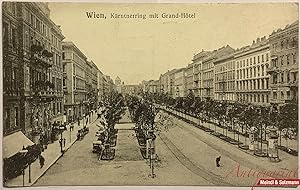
152	86
75	66
283	68
180	83
252	80
197	74
32	69
207	72
224	70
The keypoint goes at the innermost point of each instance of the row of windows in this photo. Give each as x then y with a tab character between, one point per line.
253	98
256	84
41	27
284	77
284	95
285	60
225	76
251	72
253	60
228	86
225	67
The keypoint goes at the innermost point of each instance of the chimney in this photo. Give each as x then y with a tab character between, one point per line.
253	42
257	40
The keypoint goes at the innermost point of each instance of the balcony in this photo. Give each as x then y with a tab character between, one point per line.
41	56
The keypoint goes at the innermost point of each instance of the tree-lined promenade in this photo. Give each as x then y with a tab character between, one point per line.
237	118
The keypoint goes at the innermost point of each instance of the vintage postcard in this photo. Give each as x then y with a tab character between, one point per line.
157	94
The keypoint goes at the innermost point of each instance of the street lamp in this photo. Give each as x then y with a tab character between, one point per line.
24	152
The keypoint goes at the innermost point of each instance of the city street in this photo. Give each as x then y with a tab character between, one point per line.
186	156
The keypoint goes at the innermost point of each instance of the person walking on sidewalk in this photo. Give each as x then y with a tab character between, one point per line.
64	142
42	160
78	121
218	159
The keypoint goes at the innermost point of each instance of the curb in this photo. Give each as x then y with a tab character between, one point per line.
52	163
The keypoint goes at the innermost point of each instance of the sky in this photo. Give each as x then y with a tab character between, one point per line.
142	49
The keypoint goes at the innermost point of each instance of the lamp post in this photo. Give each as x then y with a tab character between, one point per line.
24	151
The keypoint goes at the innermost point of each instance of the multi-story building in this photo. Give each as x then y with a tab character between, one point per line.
131	89
164	83
207	72
197	63
75	66
91	85
224	70
118	84
189	78
283	69
32	70
252	80
100	85
152	86
179	83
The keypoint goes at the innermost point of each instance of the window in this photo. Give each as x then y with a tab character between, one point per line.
250	60
294	58
17	116
254	59
282	95
7	118
262	70
288	95
288	76
258	60
287	59
14	37
243	63
274	95
247	62
267	57
5	32
281	60
282	79
262	58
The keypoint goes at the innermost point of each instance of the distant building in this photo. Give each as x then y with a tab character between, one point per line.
224	70
195	82
118	84
179	83
78	81
207	71
252	80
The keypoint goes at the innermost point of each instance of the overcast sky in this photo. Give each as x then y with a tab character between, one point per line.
138	49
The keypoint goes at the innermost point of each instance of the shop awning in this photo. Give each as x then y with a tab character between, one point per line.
14	143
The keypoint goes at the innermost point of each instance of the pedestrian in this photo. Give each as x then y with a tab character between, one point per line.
78	121
72	127
60	142
42	161
87	119
64	142
218	159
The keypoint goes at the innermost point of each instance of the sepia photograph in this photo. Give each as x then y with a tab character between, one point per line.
150	94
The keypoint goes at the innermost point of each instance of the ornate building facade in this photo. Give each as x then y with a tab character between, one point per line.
283	69
32	67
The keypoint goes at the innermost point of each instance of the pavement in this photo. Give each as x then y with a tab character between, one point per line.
51	155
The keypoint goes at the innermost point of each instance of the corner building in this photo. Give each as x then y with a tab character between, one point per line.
32	70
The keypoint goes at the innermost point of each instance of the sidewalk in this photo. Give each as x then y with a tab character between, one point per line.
51	155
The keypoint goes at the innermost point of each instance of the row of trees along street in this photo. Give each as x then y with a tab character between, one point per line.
143	114
240	119
114	108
